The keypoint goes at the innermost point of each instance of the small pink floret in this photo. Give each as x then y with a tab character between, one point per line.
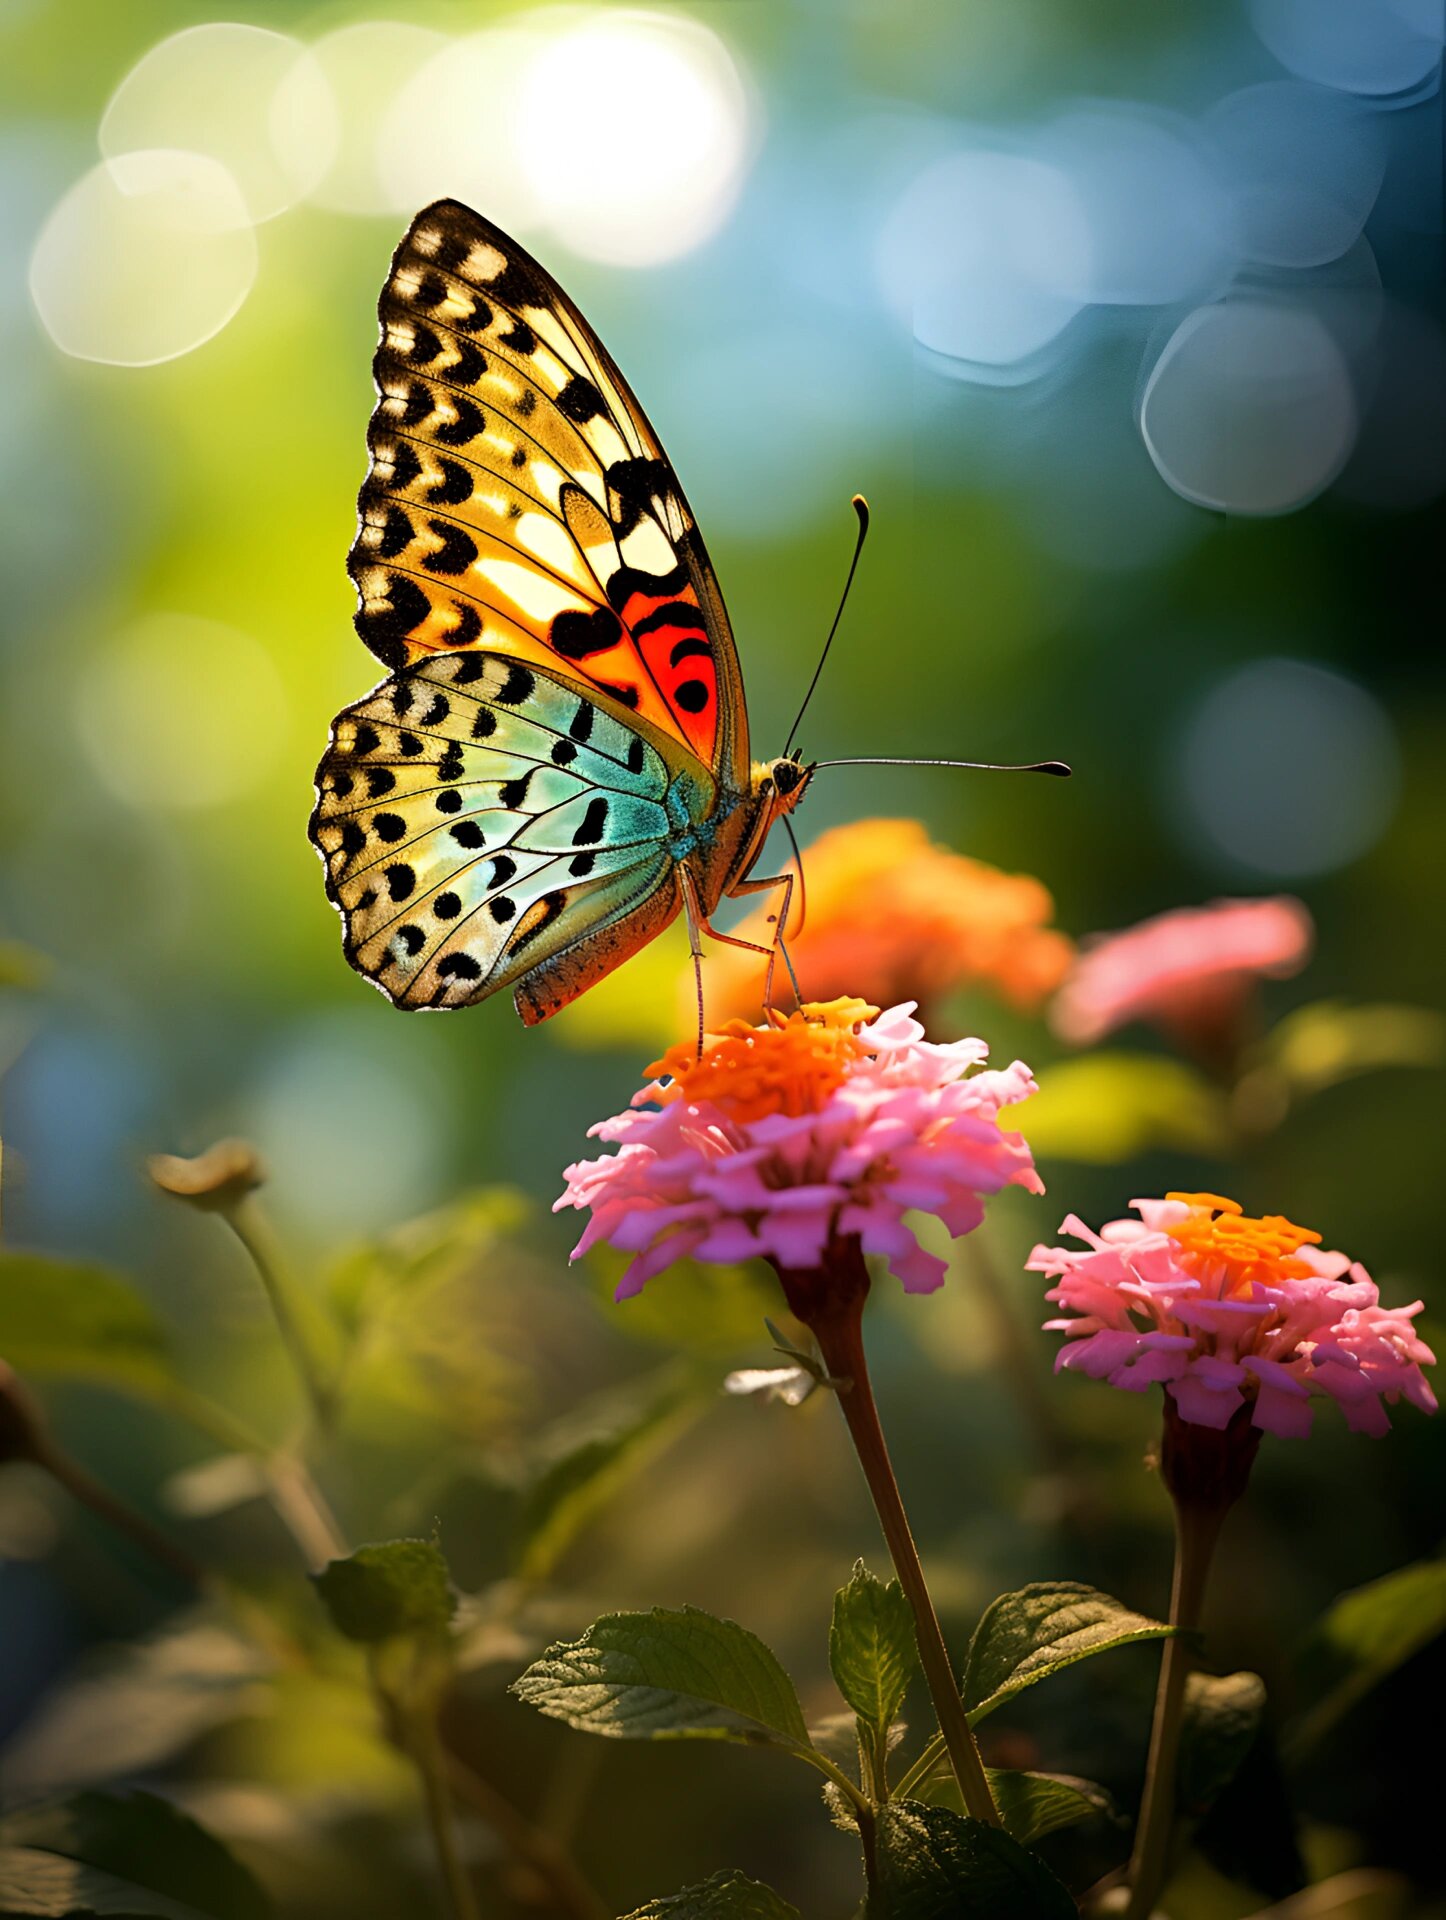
1140	1308
912	1128
1190	966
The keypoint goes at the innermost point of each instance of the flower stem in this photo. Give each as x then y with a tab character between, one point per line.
294	1313
83	1486
544	1855
425	1747
837	1325
1196	1531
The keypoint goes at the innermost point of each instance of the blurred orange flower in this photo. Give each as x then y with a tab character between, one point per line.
891	917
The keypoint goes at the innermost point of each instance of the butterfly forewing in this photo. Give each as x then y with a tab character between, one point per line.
480	817
519	502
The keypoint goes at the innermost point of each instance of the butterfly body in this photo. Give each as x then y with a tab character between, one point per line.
558	764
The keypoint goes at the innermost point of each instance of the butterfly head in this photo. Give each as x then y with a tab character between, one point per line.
782	782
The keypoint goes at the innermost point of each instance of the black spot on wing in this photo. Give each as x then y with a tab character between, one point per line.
512	793
412	938
447	906
594	823
389	826
519	337
436	713
580	401
630	580
692	696
563	753
385	627
448	801
453	488
575	635
469	422
401	881
518	686
380	781
580	726
502	909
467	833
405	466
458	966
395	535
467	629
484	724
456	553
635	754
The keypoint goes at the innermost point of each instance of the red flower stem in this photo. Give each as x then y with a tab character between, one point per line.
836	1319
1205	1471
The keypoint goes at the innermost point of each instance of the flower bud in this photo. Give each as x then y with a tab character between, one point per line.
214	1180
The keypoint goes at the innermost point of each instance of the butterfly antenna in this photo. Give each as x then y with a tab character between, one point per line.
861	508
1057	767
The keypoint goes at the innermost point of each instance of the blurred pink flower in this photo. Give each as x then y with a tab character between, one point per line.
1224	1309
1191	971
787	1140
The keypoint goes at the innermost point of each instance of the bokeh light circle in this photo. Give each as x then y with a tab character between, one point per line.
1289	769
1250	408
1375	47
451	131
178	713
368	67
980	253
632	131
1304	166
253	100
145	258
1159	221
328	1178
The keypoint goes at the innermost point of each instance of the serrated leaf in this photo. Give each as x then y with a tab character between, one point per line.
121	1853
1030	1804
380	1592
871	1646
935	1864
723	1896
1363	1636
665	1676
1025	1636
581	1462
1222	1717
1108	1107
64	1320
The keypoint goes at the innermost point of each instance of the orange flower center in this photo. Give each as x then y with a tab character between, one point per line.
792	1067
1216	1232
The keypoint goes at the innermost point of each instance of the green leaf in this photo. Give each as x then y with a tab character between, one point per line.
1030	1804
1363	1636
1026	1636
666	1676
723	1896
934	1864
1222	1717
871	1646
580	1463
121	1853
1318	1046
380	1592
63	1320
1106	1108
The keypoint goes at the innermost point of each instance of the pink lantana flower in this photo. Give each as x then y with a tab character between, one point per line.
1225	1310
796	1140
1191	971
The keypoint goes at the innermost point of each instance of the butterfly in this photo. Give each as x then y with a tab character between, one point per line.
558	764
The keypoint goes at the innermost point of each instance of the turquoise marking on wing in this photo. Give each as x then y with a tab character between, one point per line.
476	816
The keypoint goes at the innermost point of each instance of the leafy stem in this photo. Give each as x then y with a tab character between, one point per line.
831	1304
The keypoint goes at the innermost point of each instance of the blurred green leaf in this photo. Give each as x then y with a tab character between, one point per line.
664	1676
380	1592
63	1320
423	1252
1030	1804
1222	1717
871	1646
725	1304
1330	1041
582	1460
121	1853
1105	1108
934	1864
723	1896
1361	1894
1025	1636
1363	1636
133	1708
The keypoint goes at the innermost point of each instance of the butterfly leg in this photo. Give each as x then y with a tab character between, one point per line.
696	922
780	921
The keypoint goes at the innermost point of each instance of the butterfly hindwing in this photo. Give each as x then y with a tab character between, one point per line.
520	503
480	818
